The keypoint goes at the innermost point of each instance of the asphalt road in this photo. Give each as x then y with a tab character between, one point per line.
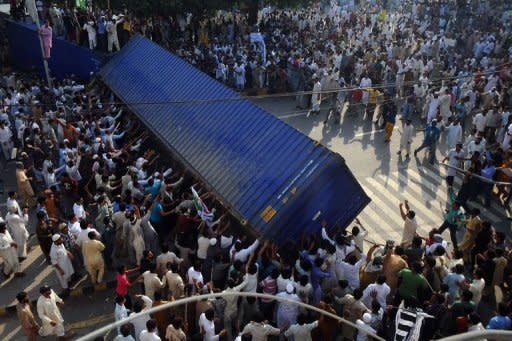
358	140
387	178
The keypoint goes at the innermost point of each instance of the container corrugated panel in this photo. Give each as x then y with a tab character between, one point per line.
271	175
66	59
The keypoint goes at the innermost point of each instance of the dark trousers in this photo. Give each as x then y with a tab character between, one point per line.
486	191
102	42
449	180
432	150
453	232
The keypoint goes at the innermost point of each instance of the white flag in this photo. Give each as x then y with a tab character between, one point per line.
32	10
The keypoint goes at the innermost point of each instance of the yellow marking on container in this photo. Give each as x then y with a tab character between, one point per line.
268	213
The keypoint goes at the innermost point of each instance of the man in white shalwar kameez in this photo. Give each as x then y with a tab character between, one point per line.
91	33
221	72
135	240
17	227
433	107
453	134
316	96
61	261
8	252
239	76
507	138
406	138
444	106
12	201
287	312
49	313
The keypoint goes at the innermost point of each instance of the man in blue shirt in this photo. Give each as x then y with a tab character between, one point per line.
500	321
153	187
432	134
488	172
317	274
102	34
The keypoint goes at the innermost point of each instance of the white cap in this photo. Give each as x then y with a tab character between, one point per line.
289	288
56	237
367	318
213	241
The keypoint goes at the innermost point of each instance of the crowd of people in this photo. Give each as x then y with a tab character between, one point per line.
105	201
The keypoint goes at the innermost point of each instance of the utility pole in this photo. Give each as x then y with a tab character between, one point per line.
32	10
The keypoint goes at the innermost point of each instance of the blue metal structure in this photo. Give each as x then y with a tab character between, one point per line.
273	177
67	58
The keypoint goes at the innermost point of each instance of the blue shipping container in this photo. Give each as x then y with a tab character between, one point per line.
66	59
273	177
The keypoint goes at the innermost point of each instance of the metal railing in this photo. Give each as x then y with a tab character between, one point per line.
497	335
106	329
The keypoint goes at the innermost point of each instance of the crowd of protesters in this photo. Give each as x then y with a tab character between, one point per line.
105	200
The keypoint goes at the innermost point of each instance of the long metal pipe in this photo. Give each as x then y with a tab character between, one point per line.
104	330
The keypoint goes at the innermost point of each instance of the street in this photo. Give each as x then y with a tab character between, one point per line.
386	178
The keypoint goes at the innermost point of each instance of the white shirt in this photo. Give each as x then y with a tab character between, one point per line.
84	235
473	147
410	228
252	282
359	239
140	161
244	254
151	283
75	229
301	332
59	256
120	312
6	241
453	155
124	338
147	336
202	247
351	272
480	121
382	290
282	283
193	274
5	134
362	336
260	331
79	211
14	203
208	328
164	258
365	82
227	241
48	311
139	322
476	287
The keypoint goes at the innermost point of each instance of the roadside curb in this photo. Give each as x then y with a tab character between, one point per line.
87	290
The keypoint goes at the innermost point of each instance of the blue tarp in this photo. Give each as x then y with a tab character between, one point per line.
276	179
66	59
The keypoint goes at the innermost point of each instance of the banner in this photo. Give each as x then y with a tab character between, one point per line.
257	38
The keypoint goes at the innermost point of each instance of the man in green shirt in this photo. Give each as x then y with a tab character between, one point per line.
453	216
411	281
461	308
